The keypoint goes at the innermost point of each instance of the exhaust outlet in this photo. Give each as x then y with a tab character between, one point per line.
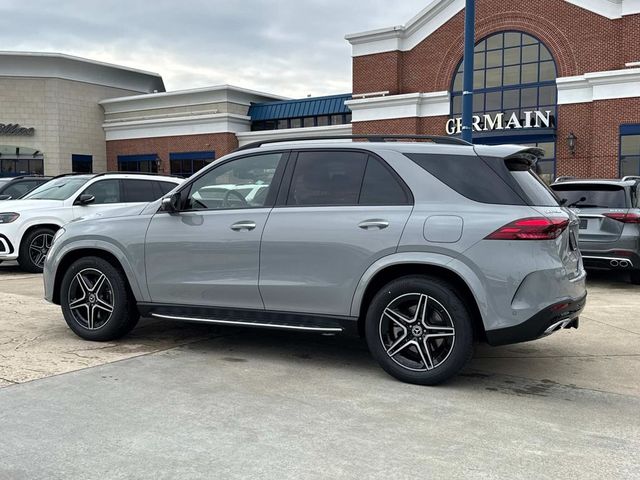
624	263
613	263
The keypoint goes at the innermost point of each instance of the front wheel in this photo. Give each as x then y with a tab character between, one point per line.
96	302
419	330
34	248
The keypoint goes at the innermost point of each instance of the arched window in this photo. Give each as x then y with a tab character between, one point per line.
513	73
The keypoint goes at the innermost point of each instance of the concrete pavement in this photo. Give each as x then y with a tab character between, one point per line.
184	401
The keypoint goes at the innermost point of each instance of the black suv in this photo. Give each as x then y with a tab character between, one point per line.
15	187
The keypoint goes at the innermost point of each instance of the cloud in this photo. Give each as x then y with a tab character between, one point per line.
286	47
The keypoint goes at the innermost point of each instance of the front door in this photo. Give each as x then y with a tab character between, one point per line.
344	210
207	254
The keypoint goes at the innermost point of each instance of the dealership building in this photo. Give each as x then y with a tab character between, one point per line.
560	74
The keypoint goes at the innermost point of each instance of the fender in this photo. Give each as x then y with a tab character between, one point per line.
117	251
425	258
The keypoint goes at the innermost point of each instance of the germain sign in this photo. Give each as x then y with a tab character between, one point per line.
15	129
498	121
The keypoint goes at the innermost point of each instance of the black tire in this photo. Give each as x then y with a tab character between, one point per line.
40	239
91	320
447	319
635	277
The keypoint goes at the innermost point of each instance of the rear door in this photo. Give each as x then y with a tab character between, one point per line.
595	204
338	212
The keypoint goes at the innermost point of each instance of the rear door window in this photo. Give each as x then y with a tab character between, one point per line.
139	191
380	186
327	178
592	196
104	191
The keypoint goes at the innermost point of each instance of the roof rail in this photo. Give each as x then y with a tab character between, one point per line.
565	178
71	174
153	174
381	138
630	177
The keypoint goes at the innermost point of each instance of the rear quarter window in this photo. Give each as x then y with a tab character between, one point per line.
470	176
592	196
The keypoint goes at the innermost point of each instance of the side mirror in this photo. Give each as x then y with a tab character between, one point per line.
85	199
171	204
5	197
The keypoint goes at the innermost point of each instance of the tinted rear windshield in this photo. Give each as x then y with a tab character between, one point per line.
592	196
488	180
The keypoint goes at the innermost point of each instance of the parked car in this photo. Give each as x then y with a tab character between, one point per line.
12	188
419	247
27	226
609	212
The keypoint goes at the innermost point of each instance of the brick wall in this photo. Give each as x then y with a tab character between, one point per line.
220	143
580	41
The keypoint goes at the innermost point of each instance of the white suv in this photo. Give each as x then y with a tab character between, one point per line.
27	226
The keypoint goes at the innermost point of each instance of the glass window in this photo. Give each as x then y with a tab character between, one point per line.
322	121
296	122
81	163
58	188
241	183
282	124
380	186
139	190
185	164
308	122
630	150
516	64
165	187
104	191
17	189
138	163
595	196
327	178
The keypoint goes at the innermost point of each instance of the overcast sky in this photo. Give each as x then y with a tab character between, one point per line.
287	47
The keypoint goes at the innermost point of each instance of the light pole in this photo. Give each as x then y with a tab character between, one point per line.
467	93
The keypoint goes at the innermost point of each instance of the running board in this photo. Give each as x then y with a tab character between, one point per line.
302	322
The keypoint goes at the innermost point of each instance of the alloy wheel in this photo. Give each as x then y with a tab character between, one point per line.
39	248
91	299
417	332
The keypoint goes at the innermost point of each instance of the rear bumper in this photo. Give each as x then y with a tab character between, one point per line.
562	314
611	260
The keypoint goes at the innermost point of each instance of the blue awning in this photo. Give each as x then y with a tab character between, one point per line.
150	157
305	107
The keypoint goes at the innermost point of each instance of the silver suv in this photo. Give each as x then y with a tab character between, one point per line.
609	212
422	248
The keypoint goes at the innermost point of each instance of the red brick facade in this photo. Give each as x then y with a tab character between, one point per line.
220	143
580	41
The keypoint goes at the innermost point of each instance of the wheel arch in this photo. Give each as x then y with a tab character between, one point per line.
76	254
373	281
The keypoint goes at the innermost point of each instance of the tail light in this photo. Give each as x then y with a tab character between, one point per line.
624	217
536	228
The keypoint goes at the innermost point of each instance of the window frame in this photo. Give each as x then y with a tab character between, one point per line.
627	130
185	189
285	186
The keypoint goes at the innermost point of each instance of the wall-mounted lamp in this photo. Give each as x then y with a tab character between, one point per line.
571	143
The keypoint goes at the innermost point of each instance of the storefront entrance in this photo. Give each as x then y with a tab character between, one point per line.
15	161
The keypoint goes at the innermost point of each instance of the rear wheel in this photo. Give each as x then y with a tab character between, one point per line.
96	302
34	248
635	277
419	330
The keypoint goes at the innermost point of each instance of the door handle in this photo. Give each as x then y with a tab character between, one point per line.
373	223
244	225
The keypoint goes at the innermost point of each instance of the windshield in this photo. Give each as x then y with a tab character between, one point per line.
592	196
57	189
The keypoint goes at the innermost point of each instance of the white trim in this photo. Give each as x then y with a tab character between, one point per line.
191	97
166	127
632	64
439	12
405	37
406	105
594	86
245	138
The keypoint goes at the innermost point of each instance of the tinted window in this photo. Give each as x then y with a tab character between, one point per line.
327	178
241	183
16	190
469	176
139	191
104	191
380	187
165	187
534	189
592	196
